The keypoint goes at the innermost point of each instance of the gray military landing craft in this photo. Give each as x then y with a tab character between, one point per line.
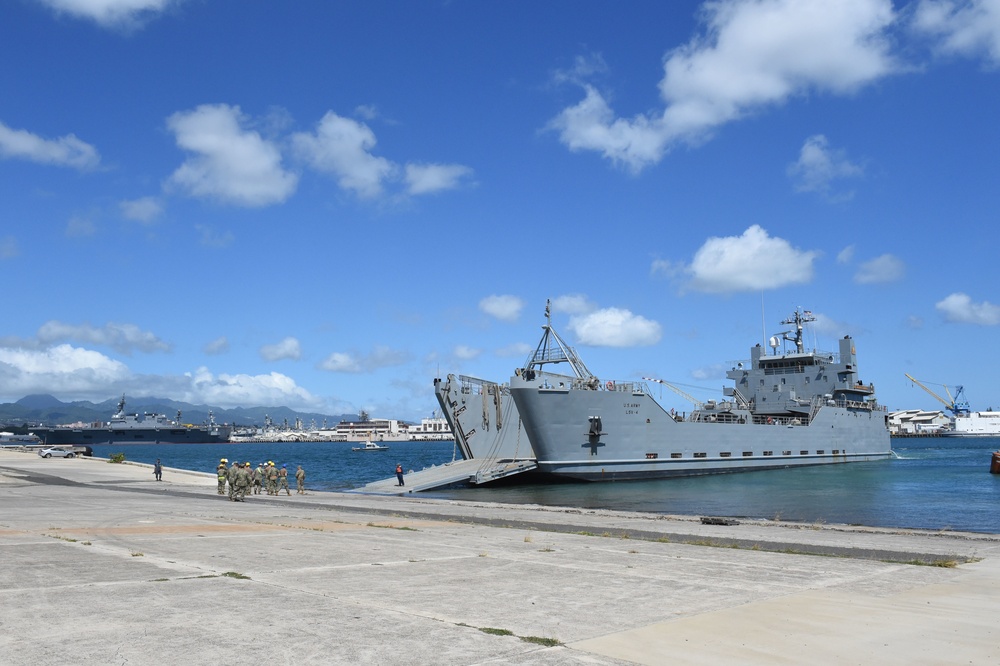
784	410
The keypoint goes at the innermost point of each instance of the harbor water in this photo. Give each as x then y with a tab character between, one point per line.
932	483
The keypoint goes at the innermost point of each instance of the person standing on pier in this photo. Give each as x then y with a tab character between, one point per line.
300	481
399	474
158	470
220	471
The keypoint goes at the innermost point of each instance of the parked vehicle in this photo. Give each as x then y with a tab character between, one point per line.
56	452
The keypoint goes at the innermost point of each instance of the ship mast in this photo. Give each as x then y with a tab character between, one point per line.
552	349
798	319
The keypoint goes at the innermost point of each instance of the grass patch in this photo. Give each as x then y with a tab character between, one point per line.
116	458
61	538
137	554
233	574
159	580
86	543
393	527
496	632
546	550
539	640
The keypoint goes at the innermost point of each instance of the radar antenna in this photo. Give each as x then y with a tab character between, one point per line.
798	318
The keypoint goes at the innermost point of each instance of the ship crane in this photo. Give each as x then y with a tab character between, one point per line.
698	404
957	405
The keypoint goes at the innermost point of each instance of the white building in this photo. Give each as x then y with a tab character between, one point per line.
918	422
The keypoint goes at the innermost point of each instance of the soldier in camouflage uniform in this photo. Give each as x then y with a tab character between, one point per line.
258	478
220	472
283	481
300	481
231	478
242	482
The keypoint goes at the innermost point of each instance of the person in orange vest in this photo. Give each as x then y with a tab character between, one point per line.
399	474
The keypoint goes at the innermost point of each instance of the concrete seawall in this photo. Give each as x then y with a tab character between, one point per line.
104	565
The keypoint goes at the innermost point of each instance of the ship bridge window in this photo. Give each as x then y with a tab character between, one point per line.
676	455
768	453
701	455
725	454
747	454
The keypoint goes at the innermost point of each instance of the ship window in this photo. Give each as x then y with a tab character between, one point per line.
768	453
747	454
725	454
803	453
652	456
836	451
701	455
786	453
820	452
676	455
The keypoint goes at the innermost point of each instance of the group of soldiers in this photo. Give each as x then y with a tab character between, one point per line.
240	479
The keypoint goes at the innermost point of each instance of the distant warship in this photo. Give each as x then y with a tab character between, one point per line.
132	429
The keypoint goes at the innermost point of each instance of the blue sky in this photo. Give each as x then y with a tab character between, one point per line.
325	205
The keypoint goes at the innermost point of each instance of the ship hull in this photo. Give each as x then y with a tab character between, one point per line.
105	436
638	439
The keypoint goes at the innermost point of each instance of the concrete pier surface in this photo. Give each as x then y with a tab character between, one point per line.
101	564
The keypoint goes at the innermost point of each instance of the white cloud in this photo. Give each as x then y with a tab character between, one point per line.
237	390
287	349
123	338
71	369
751	262
880	270
8	247
430	178
505	308
64	151
615	327
846	255
517	350
112	13
144	209
959	308
753	54
963	27
231	164
79	226
819	166
464	353
356	363
573	304
218	346
212	238
342	147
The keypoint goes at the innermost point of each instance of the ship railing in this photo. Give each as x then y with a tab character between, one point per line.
476	386
763	419
626	387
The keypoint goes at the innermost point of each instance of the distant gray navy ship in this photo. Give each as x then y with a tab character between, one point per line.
132	429
784	410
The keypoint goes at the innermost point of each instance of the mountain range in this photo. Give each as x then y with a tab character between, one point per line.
43	409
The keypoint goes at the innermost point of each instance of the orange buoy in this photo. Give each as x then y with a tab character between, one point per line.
995	463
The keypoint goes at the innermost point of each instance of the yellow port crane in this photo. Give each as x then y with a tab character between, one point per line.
954	405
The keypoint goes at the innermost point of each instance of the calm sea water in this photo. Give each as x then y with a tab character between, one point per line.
934	483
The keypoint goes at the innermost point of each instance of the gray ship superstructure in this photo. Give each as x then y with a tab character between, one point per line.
783	410
135	429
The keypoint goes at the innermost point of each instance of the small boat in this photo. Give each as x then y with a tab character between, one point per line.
370	446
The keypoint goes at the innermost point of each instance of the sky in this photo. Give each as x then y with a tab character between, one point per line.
326	205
